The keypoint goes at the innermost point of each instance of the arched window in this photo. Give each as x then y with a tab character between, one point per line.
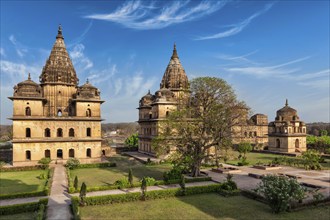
150	115
59	153
245	134
88	132
88	113
47	132
71	153
28	155
167	113
278	143
296	144
47	153
71	132
103	152
27	132
59	132
255	134
28	111
59	113
89	152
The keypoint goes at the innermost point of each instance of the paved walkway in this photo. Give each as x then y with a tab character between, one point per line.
59	200
20	200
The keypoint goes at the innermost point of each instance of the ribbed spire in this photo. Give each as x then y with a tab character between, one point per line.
175	76
59	67
175	53
286	102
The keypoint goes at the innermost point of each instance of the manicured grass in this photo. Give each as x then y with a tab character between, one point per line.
254	158
20	216
22	181
106	176
203	206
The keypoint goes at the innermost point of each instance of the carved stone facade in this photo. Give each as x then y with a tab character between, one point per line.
174	91
56	118
287	133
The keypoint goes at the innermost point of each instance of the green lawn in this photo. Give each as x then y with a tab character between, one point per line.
203	206
21	216
21	181
254	158
106	176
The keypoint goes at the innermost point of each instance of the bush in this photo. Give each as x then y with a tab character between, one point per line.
21	208
75	183
279	191
143	188
123	183
311	160
229	184
150	181
174	174
27	168
82	194
155	194
72	163
75	208
183	182
132	141
96	165
44	162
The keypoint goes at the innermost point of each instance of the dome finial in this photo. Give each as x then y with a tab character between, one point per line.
29	76
59	32
149	91
175	53
286	102
87	81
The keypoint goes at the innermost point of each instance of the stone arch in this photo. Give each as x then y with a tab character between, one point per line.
88	152
296	143
278	143
59	132
47	153
71	152
59	153
28	155
28	132
28	111
47	132
88	113
88	132
71	132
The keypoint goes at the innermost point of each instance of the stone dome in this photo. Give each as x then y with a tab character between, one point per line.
287	113
165	94
27	88
146	100
87	91
175	76
59	68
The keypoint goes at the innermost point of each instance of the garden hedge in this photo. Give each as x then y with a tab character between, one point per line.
131	197
136	184
27	168
44	192
25	207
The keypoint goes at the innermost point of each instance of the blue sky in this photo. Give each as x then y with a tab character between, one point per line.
268	51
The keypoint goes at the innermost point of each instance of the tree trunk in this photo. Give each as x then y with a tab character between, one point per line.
196	169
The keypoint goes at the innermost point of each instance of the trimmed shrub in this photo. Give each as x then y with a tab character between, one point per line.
44	162
82	194
123	183
72	163
149	180
174	174
75	183
27	168
143	188
130	177
96	165
20	208
75	208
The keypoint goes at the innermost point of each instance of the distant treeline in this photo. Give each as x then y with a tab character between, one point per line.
124	128
316	128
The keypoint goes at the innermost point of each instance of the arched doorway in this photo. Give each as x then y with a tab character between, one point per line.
47	153
71	153
28	155
89	152
296	144
103	152
278	143
59	154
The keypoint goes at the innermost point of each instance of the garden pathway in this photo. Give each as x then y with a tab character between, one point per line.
59	200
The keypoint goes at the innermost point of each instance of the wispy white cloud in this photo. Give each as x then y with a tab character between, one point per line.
2	52
20	49
236	28
238	59
79	59
141	16
81	37
268	71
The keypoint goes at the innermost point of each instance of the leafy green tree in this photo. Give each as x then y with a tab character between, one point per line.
311	160
324	133
82	194
203	123
243	149
132	141
279	191
75	183
72	163
130	177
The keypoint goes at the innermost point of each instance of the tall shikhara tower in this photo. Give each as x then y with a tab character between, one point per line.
56	118
173	92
